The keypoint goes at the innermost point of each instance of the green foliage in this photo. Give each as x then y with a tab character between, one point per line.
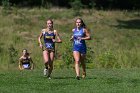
89	55
115	42
67	54
1	50
76	6
45	4
6	4
90	65
16	39
58	64
107	59
91	6
106	4
13	54
129	59
5	7
22	20
15	10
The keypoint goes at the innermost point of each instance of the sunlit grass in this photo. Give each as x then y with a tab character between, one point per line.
110	31
97	81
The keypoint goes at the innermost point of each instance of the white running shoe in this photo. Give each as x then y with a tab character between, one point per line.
49	77
45	72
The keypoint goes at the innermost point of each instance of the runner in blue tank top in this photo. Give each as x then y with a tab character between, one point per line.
49	35
48	40
78	44
80	34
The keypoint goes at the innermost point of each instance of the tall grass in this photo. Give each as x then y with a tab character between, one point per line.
114	44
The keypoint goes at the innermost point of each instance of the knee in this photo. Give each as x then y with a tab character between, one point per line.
77	62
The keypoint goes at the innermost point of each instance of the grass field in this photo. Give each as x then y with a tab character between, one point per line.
115	36
63	81
113	53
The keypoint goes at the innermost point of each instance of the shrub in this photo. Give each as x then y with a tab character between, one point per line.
13	54
107	59
76	6
89	55
67	54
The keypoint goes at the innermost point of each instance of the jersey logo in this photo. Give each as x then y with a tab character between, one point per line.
49	45
49	37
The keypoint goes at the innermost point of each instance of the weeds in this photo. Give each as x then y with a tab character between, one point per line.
13	54
114	46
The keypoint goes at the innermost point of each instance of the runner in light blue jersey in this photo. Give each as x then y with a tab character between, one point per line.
80	34
79	44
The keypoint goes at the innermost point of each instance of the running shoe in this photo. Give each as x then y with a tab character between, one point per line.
49	78
77	77
45	72
83	75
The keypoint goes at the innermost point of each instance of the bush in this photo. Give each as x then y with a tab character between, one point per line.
107	59
59	64
76	6
67	54
6	4
89	55
13	54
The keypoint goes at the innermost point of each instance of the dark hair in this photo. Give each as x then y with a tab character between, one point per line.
83	24
24	49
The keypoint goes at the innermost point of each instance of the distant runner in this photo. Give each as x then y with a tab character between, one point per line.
25	61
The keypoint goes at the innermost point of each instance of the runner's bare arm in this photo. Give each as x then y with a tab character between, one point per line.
39	40
20	64
71	39
58	37
87	35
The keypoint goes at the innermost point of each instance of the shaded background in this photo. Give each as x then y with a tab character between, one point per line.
98	4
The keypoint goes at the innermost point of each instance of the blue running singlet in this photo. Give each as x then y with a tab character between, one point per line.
49	44
78	44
